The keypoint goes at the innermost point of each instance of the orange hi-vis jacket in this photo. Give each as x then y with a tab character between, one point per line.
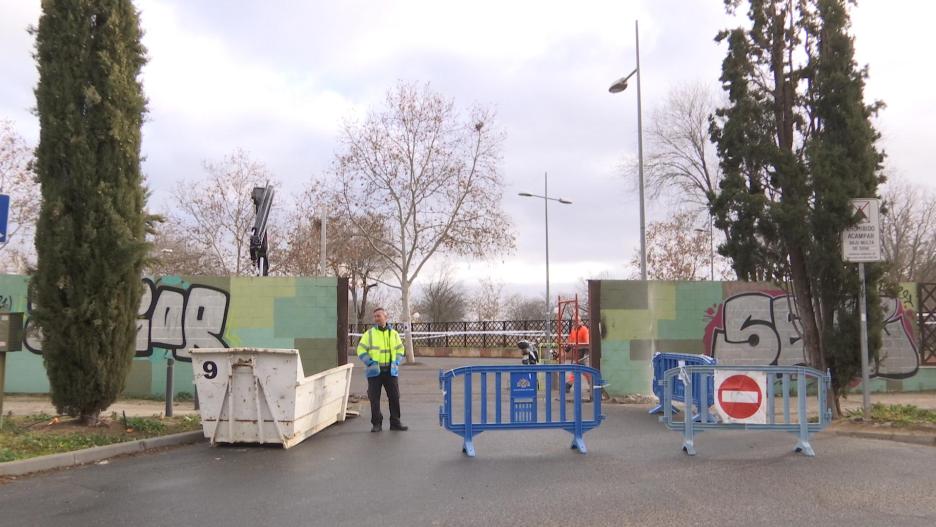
579	336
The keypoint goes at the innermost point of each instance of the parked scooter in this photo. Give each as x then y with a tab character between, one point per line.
530	355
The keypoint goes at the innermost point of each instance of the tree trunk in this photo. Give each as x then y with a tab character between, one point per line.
91	419
407	327
812	342
355	308
802	295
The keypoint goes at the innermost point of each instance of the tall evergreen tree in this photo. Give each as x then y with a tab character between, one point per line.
90	238
796	144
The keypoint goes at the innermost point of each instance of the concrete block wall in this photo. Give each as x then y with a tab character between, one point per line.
178	312
739	323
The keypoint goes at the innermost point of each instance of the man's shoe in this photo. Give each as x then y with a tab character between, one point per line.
376	427
399	427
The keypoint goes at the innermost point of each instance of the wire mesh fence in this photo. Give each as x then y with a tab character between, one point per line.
483	334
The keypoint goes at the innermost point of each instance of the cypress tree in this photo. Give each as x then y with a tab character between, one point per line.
844	163
90	237
796	144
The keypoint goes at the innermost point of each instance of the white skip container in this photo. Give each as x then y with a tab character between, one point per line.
258	395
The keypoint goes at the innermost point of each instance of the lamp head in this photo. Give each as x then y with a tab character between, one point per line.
619	85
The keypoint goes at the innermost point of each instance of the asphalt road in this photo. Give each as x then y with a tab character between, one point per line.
634	474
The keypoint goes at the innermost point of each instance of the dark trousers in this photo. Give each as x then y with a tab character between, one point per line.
389	383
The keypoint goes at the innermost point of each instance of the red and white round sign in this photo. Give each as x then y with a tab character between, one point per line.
739	396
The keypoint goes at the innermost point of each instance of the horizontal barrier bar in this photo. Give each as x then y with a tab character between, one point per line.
745	399
524	393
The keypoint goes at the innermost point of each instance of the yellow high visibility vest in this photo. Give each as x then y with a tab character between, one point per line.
383	346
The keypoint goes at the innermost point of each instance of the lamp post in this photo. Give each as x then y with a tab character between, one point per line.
617	87
546	199
711	237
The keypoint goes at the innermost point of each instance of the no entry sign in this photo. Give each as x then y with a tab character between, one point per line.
740	396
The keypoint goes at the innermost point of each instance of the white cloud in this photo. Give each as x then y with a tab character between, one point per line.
280	78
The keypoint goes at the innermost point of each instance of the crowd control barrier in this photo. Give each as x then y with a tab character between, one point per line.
666	361
252	395
528	396
745	399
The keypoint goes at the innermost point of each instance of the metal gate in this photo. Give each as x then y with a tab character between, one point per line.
927	295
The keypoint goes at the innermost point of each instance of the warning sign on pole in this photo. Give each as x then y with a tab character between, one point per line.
740	396
862	242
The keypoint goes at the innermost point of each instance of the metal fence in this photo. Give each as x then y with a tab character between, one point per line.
483	334
799	423
528	392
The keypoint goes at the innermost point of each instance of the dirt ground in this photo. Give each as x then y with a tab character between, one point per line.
36	404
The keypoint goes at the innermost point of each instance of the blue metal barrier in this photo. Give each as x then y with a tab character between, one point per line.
524	395
666	361
802	426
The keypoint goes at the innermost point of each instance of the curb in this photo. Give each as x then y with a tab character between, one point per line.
900	438
93	454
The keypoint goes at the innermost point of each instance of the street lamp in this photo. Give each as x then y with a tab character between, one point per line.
711	234
617	87
546	199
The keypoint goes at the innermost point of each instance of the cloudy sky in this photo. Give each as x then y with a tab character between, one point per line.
279	78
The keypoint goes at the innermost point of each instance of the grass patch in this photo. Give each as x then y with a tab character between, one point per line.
23	437
898	414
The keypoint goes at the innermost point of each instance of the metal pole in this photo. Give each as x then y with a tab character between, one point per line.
2	385
712	247
322	251
643	226
865	374
170	363
548	298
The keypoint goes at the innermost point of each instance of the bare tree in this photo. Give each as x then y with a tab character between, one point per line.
680	160
525	308
431	176
676	250
174	253
346	254
909	231
18	180
488	301
442	300
215	215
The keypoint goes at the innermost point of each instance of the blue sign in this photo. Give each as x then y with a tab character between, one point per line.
4	215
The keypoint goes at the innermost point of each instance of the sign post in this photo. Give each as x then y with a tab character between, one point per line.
11	339
862	243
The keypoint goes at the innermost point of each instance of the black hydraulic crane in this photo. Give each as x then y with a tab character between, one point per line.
262	198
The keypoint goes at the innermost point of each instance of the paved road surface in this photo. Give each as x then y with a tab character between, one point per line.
634	474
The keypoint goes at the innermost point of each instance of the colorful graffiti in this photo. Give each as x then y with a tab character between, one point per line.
177	313
762	327
179	319
170	318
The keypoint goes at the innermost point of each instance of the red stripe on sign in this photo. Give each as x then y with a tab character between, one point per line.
740	396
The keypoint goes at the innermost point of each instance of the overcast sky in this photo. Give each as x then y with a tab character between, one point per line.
278	78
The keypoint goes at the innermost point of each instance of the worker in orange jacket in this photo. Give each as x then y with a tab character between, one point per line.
578	341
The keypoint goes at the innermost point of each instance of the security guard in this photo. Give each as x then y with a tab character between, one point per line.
381	350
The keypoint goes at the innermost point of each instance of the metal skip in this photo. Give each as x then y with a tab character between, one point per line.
257	395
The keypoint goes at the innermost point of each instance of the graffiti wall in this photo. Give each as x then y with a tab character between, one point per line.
737	323
177	314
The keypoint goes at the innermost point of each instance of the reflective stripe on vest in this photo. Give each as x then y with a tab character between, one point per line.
381	346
